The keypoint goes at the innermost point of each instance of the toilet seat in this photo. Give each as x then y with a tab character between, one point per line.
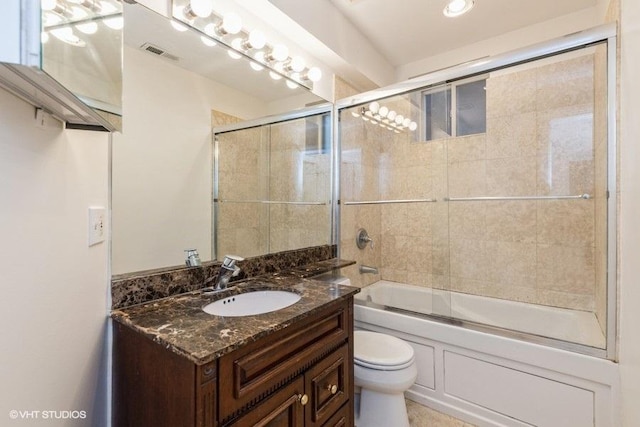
381	352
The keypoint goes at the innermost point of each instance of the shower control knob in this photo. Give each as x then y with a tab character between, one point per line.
333	388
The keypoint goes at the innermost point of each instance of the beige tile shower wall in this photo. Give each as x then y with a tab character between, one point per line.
360	144
539	141
299	172
415	247
243	228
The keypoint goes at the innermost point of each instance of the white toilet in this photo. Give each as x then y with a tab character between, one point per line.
384	368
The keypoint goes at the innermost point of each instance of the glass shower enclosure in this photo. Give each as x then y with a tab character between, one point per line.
272	184
489	190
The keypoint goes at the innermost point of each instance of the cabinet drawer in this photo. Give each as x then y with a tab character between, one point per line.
328	385
282	409
255	371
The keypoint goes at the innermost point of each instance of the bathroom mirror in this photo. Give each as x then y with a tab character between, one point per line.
82	49
175	88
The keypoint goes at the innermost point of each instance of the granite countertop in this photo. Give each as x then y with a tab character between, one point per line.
179	323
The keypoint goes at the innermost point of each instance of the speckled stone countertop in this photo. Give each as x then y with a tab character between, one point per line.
179	323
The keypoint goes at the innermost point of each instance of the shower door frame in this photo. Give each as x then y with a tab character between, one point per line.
602	34
323	108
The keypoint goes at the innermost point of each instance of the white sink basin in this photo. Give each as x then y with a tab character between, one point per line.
250	303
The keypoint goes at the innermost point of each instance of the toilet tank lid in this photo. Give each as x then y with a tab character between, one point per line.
374	348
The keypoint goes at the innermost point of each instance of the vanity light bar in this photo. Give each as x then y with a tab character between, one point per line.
228	31
61	17
378	114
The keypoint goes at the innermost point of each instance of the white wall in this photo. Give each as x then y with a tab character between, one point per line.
53	308
630	214
162	162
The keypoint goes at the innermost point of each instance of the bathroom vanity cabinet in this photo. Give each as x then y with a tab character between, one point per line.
300	375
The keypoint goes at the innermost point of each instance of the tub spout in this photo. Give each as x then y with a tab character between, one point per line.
365	269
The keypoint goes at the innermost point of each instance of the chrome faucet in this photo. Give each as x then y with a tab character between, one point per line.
228	269
192	258
365	269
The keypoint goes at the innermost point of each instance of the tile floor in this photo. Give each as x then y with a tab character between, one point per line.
421	416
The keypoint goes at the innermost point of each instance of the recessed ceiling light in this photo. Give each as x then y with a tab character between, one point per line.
457	7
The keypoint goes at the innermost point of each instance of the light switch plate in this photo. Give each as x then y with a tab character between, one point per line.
97	223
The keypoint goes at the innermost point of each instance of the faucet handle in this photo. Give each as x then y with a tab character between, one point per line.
230	261
362	238
192	258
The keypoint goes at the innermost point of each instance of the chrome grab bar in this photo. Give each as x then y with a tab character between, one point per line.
584	196
273	202
384	202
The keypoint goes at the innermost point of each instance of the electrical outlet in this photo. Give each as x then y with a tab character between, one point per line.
97	223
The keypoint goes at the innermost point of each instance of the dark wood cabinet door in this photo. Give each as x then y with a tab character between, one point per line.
327	384
285	408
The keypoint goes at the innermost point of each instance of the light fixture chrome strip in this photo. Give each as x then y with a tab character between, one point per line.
584	196
540	50
274	202
386	202
325	107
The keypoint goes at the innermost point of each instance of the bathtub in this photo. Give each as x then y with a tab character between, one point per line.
491	379
581	327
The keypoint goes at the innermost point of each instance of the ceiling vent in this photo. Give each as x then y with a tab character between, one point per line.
148	47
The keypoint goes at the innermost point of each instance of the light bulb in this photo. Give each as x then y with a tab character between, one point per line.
51	19
355	114
233	54
231	23
399	119
178	26
78	13
48	4
88	27
274	75
314	74
392	115
256	40
383	111
201	8
66	35
296	76
116	23
291	85
406	122
280	52
457	7
413	126
107	8
259	56
297	64
256	66
374	107
207	41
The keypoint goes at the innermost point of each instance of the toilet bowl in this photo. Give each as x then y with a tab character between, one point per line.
384	368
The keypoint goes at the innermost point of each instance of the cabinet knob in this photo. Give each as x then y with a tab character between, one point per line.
303	398
332	388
